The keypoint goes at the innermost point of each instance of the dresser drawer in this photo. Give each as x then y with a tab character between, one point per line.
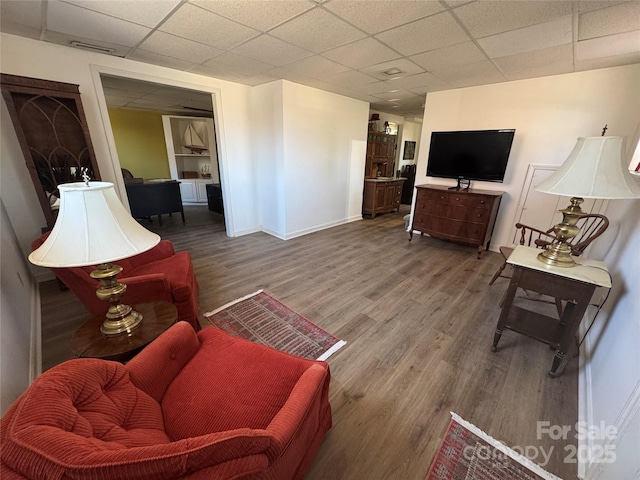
432	195
470	200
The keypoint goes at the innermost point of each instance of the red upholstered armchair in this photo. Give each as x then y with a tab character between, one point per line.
158	274
191	405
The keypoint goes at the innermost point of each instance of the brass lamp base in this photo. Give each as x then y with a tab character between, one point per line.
559	254
120	318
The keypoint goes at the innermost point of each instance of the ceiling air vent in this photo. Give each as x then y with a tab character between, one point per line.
392	72
93	48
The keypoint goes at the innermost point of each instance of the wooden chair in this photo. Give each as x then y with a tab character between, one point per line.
591	225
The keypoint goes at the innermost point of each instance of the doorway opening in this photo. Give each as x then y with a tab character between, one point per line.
165	133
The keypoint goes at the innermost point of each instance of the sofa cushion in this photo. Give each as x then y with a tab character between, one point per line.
223	397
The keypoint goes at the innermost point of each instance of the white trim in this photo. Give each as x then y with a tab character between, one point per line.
332	350
233	302
585	402
504	449
317	228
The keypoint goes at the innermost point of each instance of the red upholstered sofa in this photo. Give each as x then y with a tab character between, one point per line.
158	274
203	405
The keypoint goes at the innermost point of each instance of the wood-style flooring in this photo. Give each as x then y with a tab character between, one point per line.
418	317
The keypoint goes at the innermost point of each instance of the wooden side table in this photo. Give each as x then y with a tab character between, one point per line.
573	285
88	341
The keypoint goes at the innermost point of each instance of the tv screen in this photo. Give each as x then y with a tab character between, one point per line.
470	155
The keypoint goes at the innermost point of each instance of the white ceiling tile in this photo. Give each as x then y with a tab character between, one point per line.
259	14
609	21
351	79
606	62
589	5
19	12
528	39
541	63
418	82
395	96
609	46
558	55
361	53
162	60
147	13
238	63
205	27
430	33
7	26
405	66
178	47
317	31
376	16
434	85
460	54
316	66
376	87
490	17
479	73
73	20
271	50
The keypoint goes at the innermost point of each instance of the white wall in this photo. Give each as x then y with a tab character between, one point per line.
325	137
611	378
268	140
19	325
548	113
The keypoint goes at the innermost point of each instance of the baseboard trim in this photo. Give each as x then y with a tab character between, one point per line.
317	228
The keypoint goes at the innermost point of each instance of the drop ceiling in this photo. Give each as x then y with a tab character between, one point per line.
386	52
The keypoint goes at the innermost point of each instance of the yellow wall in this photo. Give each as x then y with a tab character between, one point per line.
140	142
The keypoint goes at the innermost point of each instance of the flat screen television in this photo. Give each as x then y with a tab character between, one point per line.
470	155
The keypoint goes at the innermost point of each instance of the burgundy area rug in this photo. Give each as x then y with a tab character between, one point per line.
468	453
262	319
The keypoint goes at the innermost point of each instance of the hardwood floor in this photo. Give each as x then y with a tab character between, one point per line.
418	317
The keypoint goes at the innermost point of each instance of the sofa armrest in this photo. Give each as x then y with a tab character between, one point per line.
68	455
300	413
155	367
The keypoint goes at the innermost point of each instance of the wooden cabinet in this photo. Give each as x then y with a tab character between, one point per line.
463	216
381	196
381	153
194	191
193	170
54	137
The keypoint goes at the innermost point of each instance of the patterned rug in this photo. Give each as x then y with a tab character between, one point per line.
262	319
467	453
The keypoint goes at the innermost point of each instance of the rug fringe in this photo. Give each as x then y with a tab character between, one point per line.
504	449
332	350
237	300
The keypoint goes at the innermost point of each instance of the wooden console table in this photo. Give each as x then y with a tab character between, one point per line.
574	286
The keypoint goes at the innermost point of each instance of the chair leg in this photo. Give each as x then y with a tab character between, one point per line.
498	273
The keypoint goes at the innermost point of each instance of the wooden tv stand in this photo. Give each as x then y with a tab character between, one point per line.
462	216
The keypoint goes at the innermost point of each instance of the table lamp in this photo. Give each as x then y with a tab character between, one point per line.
595	168
94	228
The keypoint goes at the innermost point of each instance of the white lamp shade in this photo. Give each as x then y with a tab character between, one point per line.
595	168
92	227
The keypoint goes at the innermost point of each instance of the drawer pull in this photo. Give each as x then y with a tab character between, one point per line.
481	201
